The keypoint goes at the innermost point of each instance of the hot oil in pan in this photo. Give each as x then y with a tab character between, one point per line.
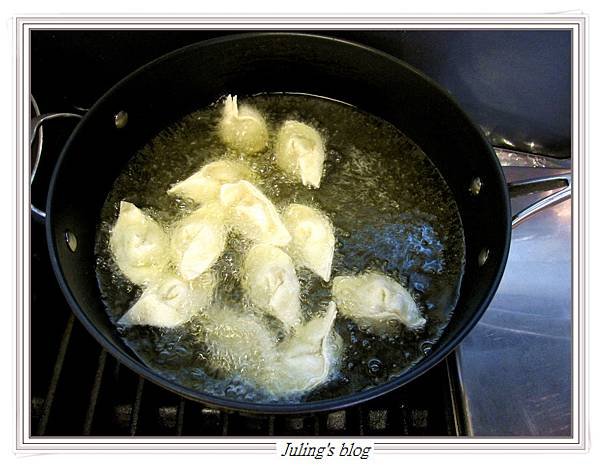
391	209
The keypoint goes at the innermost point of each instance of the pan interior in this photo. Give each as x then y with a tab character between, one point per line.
391	209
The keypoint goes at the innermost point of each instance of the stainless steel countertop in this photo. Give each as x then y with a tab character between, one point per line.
515	365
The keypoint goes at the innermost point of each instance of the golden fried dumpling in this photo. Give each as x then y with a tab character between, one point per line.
139	245
243	129
198	240
307	359
170	301
312	241
252	214
239	343
299	152
270	282
373	300
205	185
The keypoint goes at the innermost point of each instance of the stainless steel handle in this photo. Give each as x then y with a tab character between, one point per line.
39	120
35	132
520	188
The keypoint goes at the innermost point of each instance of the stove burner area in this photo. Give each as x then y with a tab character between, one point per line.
78	389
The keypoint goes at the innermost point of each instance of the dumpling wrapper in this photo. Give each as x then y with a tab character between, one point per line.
239	344
171	302
270	282
306	359
139	245
252	214
299	152
205	185
373	299
198	240
243	129
313	239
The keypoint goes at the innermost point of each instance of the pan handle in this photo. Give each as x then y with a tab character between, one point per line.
524	187
35	133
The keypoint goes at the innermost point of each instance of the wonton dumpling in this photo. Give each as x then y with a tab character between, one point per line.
373	299
270	282
243	128
198	240
239	344
139	245
205	185
299	151
252	214
307	358
170	302
313	240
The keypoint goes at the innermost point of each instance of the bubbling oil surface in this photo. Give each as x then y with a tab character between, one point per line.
391	209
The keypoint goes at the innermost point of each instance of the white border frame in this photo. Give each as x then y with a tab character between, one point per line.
577	23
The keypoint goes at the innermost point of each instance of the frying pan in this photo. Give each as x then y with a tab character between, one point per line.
163	91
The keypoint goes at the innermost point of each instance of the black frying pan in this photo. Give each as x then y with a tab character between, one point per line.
162	92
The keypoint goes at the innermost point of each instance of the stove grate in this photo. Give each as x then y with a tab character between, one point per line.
90	393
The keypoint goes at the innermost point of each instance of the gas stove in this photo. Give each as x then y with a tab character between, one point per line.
511	376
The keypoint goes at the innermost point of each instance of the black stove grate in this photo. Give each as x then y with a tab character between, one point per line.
78	389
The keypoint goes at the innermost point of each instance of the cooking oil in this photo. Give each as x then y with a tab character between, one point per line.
391	209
